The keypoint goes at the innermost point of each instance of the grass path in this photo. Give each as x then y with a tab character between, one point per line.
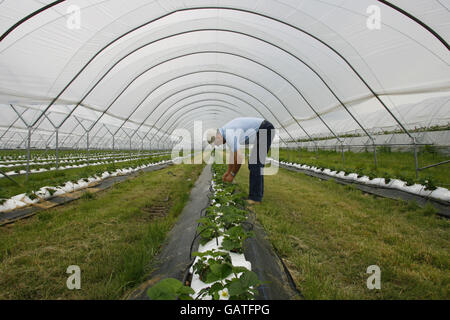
112	236
328	234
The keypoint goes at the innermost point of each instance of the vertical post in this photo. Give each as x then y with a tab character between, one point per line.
343	154
130	148
28	152
57	152
416	159
87	147
375	156
113	149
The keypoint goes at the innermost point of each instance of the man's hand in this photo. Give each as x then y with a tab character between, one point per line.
227	177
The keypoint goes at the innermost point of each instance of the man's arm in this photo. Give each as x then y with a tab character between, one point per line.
234	166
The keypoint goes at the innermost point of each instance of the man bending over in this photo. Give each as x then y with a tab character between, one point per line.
246	131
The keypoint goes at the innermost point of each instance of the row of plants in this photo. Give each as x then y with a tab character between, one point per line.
360	173
73	157
56	179
391	165
21	168
49	154
219	270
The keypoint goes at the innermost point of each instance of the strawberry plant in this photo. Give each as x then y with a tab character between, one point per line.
428	183
208	229
241	287
169	289
224	217
213	265
231	217
234	239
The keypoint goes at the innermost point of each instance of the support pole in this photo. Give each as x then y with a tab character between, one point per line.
343	154
28	152
375	156
130	149
416	159
87	147
57	146
113	148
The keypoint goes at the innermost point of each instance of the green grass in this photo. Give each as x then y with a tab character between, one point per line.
111	235
400	165
328	234
55	178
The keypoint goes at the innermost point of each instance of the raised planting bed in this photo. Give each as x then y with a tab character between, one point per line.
219	270
36	181
39	167
232	261
80	182
423	190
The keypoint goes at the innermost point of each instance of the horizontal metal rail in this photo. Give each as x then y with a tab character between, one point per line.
434	165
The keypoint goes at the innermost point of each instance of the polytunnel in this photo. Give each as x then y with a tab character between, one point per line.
138	70
112	82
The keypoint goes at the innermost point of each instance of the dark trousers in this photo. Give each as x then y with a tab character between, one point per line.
257	160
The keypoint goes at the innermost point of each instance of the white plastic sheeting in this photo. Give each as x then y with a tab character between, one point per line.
143	68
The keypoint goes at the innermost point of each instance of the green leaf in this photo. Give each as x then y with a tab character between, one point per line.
221	270
164	290
235	287
239	269
249	279
185	290
169	289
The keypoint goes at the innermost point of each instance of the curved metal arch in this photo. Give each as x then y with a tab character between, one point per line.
195	102
171	127
176	121
213	99
236	55
190	119
226	72
418	21
199	101
231	87
274	71
243	11
28	17
222	93
209	30
193	87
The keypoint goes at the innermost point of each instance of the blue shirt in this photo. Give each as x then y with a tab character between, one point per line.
240	131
